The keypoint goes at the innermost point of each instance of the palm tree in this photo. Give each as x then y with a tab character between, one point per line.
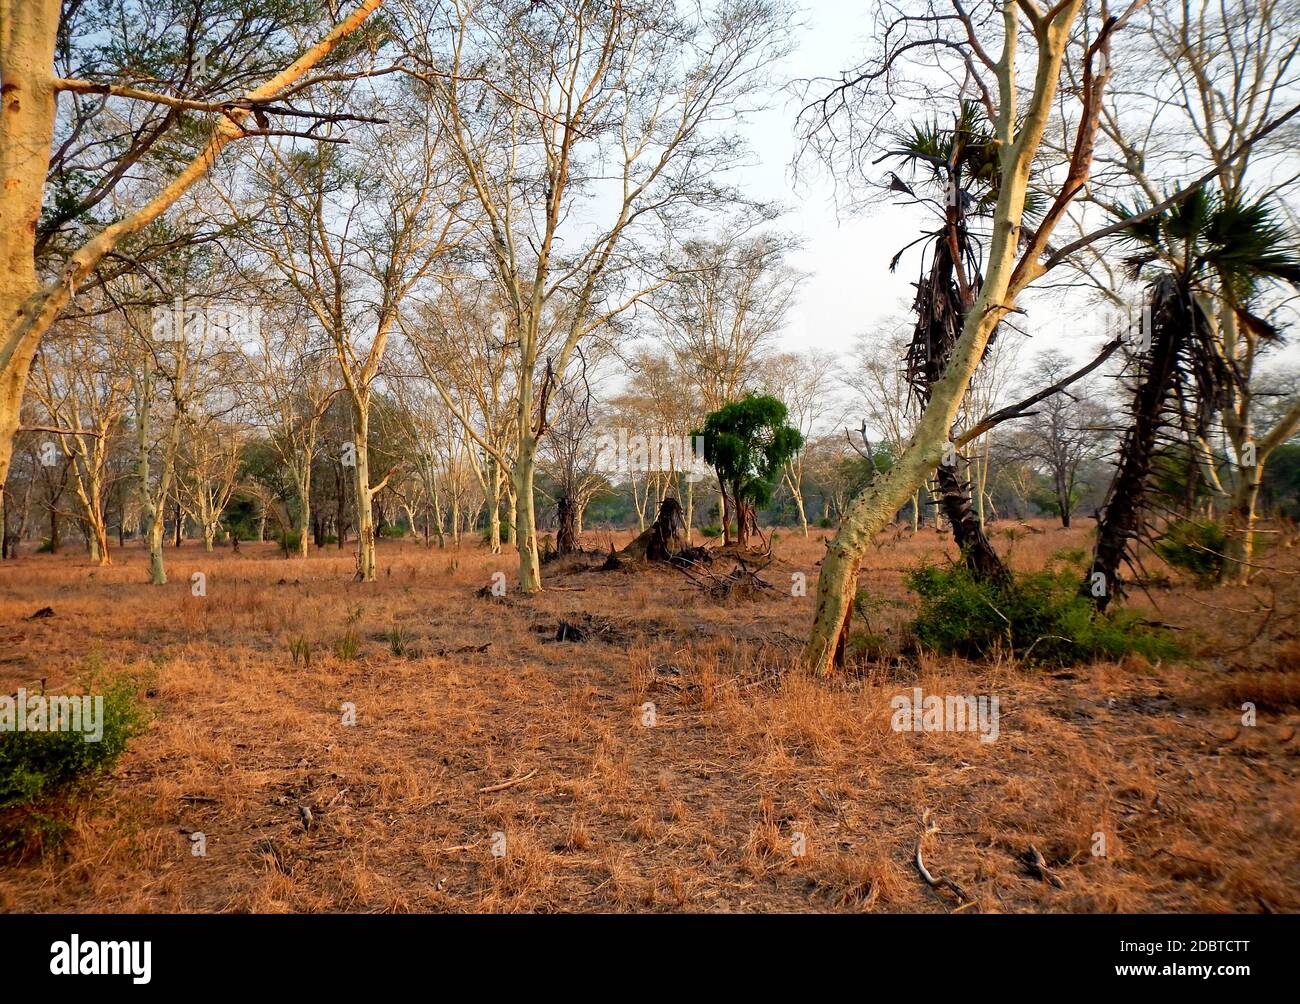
1209	251
959	163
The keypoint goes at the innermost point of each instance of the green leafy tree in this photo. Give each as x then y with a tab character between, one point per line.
747	442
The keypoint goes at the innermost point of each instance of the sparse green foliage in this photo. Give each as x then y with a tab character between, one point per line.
36	766
399	642
348	645
1197	546
1038	617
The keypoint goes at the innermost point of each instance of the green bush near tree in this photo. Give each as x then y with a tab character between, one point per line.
1038	617
1196	546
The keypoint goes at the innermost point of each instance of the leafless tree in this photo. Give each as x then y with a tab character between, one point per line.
589	133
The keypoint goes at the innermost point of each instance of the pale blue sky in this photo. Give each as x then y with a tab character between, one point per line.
849	288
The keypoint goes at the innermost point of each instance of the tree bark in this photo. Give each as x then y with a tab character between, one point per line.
361	486
530	579
304	508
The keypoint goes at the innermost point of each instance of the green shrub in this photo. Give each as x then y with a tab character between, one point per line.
825	523
712	530
394	532
867	645
1196	546
1038	616
36	766
46	546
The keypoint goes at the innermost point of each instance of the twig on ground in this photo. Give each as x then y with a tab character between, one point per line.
1037	867
940	882
506	784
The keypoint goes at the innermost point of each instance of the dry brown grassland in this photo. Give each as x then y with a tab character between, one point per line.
456	693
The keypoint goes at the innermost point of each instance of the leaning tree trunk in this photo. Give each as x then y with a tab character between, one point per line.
29	36
942	309
26	131
877	504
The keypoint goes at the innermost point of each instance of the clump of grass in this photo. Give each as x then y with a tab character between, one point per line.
38	766
399	642
348	645
300	651
1196	546
1038	616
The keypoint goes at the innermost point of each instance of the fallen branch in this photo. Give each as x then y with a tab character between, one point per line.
1037	867
930	880
506	784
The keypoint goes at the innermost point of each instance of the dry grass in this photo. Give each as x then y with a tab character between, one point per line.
746	759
